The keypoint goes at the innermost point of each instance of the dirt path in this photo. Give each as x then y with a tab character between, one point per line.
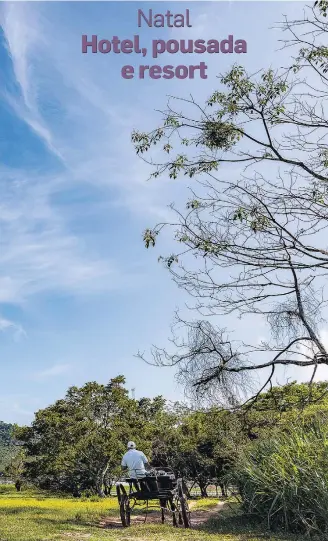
198	517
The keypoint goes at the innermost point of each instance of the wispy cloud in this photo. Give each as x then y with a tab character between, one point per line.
51	372
24	35
64	102
17	330
38	253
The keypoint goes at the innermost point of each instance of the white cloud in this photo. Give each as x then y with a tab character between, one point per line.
16	329
90	134
51	372
38	252
24	36
21	33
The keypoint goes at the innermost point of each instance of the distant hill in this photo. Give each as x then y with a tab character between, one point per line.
6	445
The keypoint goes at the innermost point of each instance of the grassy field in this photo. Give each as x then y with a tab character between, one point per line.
33	516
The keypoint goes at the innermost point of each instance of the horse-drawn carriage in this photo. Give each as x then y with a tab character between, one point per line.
161	485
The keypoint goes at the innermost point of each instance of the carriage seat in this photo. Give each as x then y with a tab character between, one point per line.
152	483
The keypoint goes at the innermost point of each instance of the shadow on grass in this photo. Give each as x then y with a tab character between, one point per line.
64	524
229	521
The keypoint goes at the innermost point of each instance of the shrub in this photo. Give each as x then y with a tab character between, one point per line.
284	480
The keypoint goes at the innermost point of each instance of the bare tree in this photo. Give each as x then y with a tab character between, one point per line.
254	244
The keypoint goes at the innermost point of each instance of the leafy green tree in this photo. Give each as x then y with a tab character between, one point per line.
77	443
200	446
250	243
284	406
16	468
204	445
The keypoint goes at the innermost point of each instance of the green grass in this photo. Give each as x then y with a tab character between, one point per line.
285	479
38	516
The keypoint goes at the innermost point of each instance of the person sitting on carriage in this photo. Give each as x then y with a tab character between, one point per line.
135	462
137	465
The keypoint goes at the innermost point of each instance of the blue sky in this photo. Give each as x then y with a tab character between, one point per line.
79	294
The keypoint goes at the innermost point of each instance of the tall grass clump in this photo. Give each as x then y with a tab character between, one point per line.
283	480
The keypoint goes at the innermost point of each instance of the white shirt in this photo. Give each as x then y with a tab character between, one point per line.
135	462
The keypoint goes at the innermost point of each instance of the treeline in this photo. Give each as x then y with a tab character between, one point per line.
273	452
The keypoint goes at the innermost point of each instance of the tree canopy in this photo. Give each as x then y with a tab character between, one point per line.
77	443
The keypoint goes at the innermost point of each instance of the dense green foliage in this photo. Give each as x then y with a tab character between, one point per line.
275	452
202	446
286	405
282	474
77	443
285	480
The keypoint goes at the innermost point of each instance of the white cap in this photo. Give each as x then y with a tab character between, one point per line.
132	445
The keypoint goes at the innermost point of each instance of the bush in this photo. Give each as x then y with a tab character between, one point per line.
284	480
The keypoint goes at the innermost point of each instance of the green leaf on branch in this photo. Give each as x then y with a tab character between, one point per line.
149	237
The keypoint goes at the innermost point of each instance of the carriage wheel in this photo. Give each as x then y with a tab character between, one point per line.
125	511
184	507
118	492
163	504
174	510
